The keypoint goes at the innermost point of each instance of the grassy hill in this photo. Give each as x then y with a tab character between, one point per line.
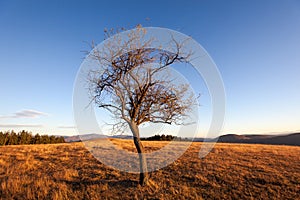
230	171
289	139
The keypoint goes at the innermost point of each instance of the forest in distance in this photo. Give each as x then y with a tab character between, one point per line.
25	137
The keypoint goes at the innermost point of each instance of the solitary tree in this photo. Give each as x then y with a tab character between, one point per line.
131	82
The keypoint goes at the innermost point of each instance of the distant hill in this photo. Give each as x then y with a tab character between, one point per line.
121	136
78	138
289	139
233	138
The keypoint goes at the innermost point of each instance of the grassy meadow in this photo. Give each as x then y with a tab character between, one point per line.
230	171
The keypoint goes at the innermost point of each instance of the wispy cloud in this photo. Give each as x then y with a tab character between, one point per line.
20	125
24	114
67	127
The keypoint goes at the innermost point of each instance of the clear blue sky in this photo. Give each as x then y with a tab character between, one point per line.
255	44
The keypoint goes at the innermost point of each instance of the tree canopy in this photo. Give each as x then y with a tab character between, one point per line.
132	81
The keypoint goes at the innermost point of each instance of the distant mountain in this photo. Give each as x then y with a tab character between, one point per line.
74	138
197	139
233	138
289	139
121	136
78	138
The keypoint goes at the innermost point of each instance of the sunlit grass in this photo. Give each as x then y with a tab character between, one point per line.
69	171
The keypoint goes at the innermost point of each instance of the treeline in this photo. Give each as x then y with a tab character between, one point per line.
164	138
24	137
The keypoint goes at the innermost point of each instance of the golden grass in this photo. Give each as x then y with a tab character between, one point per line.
230	171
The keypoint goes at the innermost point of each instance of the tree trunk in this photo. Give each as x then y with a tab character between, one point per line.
140	149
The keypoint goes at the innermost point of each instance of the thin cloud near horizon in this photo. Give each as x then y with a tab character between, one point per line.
66	127
26	113
21	125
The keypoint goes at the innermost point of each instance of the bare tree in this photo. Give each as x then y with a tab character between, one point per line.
130	81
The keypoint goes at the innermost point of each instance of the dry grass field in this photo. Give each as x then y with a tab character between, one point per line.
230	171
